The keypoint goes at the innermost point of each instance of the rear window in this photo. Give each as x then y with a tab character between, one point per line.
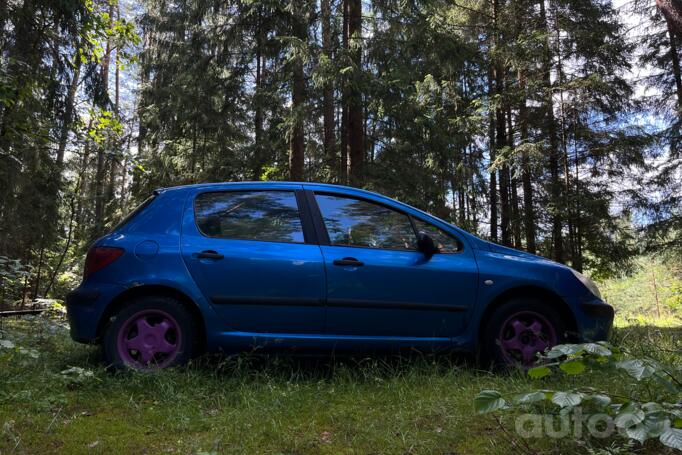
270	216
135	212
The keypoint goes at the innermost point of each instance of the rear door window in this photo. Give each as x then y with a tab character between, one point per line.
271	216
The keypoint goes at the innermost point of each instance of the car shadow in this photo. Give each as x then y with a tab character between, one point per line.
641	341
324	365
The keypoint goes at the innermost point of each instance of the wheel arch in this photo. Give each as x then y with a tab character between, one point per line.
122	299
537	292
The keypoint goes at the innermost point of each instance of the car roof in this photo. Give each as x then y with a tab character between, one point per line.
272	184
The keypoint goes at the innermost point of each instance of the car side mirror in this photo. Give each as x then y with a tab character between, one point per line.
426	245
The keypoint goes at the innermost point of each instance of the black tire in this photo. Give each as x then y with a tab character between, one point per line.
491	352
183	333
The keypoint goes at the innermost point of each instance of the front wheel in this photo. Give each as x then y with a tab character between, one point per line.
150	333
519	330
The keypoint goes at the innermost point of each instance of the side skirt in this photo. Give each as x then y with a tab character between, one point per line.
238	341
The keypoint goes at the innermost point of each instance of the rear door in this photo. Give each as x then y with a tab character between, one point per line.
378	284
253	255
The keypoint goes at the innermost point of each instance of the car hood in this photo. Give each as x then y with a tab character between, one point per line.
495	248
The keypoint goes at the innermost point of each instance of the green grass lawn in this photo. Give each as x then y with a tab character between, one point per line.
271	404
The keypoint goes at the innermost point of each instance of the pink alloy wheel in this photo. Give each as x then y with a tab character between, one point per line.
523	335
149	339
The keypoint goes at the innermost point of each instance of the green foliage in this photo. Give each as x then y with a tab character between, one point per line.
382	404
101	102
654	279
13	275
639	417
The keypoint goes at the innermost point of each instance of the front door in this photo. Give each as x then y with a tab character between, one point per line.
248	254
378	284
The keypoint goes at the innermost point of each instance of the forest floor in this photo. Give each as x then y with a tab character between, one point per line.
57	397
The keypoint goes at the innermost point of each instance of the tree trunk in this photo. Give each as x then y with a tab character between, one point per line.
100	173
672	11
578	261
500	131
297	142
550	124
328	91
514	197
68	113
144	79
258	105
492	147
501	141
114	165
568	207
356	154
343	168
675	60
526	177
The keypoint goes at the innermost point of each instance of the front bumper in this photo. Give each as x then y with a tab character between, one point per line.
85	307
595	320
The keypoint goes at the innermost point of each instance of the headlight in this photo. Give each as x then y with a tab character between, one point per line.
589	284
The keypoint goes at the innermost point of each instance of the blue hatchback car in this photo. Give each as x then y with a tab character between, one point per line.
232	266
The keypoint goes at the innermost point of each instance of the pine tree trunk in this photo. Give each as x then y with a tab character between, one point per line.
144	79
568	207
675	60
343	168
329	142
356	153
297	143
258	108
551	131
672	11
514	197
526	177
68	113
493	175
114	165
578	260
100	172
501	136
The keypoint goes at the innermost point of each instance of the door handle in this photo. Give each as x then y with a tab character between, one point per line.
348	261
209	254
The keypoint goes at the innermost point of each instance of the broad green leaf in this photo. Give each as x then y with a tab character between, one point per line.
564	349
638	432
628	416
636	368
539	372
599	400
652	407
564	399
656	425
572	367
672	437
488	401
531	397
597	349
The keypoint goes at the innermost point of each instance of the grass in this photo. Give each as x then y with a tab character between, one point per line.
270	404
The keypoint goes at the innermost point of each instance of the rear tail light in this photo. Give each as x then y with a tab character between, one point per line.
99	257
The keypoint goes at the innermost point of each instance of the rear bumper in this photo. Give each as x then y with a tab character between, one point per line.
85	307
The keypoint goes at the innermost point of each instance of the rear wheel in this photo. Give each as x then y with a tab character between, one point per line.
519	330
150	333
